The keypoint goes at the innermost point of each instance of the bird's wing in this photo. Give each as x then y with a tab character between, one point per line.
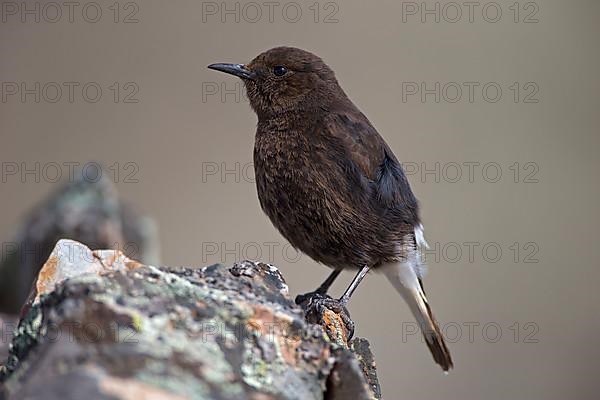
365	153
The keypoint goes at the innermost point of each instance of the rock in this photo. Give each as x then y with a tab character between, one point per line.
7	326
362	349
84	210
102	326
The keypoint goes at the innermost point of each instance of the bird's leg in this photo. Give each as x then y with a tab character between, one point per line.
354	284
316	303
321	290
324	287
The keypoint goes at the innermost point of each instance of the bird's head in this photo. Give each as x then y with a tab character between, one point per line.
284	79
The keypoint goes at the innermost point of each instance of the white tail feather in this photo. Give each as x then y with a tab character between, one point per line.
404	276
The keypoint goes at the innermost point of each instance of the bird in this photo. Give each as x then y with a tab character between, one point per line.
329	182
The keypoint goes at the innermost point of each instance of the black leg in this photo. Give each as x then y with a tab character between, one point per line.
354	284
321	290
316	303
328	282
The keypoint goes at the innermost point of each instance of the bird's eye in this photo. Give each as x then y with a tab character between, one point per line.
280	70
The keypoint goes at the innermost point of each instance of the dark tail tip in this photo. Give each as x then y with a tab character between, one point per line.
438	349
436	343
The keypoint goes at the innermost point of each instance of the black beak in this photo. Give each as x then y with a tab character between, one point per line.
238	70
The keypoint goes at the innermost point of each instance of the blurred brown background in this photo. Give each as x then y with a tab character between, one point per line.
514	261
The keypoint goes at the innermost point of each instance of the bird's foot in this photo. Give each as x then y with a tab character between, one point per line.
317	306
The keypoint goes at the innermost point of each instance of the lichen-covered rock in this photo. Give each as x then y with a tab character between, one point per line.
7	327
86	210
117	329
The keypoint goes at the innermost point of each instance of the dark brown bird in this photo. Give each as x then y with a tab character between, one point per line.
329	182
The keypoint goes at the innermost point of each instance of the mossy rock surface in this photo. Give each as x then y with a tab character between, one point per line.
136	331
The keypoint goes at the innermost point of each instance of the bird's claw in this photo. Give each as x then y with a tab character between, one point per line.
315	305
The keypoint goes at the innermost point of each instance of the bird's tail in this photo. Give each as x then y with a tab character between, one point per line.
405	278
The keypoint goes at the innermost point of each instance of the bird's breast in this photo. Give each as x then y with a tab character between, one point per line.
285	167
303	192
